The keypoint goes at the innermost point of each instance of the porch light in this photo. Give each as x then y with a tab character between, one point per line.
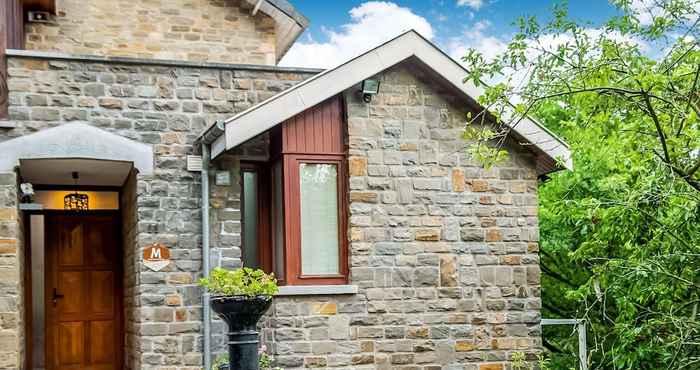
75	201
370	87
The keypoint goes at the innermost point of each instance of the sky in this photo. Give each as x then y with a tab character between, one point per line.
341	29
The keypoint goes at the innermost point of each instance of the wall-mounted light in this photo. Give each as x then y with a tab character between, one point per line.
370	87
76	201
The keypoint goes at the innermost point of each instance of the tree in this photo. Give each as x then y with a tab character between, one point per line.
606	69
620	242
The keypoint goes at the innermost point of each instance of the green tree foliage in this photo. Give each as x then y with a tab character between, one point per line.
620	247
620	243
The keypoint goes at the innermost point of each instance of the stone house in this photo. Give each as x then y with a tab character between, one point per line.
170	129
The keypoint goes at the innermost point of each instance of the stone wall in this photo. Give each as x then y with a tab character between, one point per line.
199	30
443	251
11	255
167	106
129	222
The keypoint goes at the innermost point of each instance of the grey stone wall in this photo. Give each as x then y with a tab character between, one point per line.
200	30
443	251
128	206
167	106
12	345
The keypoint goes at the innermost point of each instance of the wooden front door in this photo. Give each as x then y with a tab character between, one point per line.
83	292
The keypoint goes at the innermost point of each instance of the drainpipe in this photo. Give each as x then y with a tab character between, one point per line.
209	136
206	315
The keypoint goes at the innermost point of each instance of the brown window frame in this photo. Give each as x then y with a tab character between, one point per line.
263	219
292	201
281	280
316	135
291	194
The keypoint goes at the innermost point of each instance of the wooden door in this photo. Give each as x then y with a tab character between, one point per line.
83	293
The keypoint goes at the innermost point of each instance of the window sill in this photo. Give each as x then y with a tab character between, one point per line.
7	124
300	290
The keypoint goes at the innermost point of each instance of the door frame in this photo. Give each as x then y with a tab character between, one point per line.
117	215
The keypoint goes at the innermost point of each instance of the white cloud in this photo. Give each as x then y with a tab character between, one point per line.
647	10
474	4
476	37
480	37
372	23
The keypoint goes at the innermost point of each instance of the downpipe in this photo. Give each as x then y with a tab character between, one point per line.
206	314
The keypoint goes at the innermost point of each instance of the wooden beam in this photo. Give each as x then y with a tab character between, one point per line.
41	5
11	37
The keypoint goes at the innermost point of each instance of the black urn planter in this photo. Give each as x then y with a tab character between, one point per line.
242	314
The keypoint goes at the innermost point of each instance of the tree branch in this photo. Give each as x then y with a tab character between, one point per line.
689	105
659	130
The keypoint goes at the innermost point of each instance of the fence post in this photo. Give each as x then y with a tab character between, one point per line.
582	347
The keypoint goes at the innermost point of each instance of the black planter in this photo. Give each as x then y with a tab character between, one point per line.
242	315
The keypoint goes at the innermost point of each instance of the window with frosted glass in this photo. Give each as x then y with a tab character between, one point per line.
250	220
319	218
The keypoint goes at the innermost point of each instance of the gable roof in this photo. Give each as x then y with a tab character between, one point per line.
261	117
289	23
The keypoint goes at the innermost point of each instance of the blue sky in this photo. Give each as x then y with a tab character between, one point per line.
343	28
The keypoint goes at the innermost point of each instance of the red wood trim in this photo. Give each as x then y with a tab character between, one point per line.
11	37
294	275
42	5
282	280
317	130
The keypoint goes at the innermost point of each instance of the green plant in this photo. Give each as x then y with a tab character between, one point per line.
219	361
520	362
240	282
264	360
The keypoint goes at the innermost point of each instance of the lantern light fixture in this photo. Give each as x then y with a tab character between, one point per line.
75	201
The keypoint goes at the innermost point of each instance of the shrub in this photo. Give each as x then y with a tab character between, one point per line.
240	282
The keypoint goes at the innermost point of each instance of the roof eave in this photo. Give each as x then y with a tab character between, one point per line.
555	153
289	23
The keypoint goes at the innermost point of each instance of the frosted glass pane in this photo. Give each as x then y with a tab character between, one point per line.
38	307
278	219
319	218
250	220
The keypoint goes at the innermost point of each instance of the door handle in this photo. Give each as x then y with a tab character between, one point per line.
56	296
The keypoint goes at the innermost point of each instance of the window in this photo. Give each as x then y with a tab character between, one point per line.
251	203
255	216
303	232
316	228
318	198
294	208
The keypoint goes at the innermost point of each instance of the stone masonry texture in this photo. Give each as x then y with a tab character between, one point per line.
11	270
444	252
167	107
195	30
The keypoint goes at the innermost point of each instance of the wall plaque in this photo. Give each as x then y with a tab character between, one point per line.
156	256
